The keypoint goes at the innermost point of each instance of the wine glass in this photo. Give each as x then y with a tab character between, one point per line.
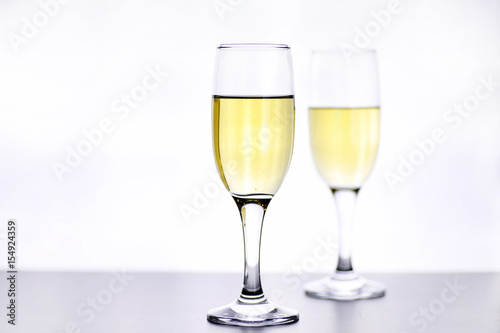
253	132
344	126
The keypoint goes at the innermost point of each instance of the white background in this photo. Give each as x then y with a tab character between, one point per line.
121	207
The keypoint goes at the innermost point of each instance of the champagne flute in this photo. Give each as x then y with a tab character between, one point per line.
344	122
253	131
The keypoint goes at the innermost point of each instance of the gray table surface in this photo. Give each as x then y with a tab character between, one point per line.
166	302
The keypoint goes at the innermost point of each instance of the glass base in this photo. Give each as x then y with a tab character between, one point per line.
259	314
344	286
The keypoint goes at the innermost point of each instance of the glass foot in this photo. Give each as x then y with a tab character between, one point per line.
344	286
259	314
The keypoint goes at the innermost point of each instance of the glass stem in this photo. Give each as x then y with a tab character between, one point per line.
346	203
252	211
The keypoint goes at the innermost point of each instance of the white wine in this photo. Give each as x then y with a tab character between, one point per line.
344	144
253	142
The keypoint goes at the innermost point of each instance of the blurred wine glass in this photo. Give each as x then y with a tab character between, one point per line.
344	126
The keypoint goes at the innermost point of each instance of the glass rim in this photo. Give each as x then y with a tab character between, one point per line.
253	46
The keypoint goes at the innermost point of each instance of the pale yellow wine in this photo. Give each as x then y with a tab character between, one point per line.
253	142
344	144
